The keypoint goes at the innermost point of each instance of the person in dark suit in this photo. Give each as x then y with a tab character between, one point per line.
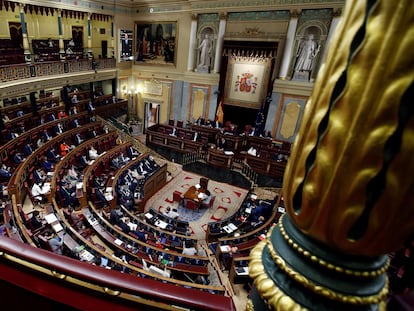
69	195
47	165
52	156
46	136
36	221
5	171
222	144
78	139
59	129
18	158
28	149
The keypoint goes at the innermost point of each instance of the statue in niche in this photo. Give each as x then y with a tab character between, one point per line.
206	50
307	52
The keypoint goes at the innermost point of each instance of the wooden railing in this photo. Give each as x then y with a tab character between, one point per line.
26	71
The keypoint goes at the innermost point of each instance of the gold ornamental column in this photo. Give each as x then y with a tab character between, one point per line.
349	181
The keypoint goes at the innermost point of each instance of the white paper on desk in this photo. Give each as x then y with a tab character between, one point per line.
227	229
79	185
225	248
148	215
228	152
232	226
108	189
248	210
57	227
50	218
118	242
281	209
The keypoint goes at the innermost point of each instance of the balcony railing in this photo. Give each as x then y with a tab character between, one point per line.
27	71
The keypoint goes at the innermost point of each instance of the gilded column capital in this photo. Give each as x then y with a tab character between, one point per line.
295	13
194	16
223	15
337	12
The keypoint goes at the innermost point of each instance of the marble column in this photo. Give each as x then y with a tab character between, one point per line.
346	189
26	46
89	46
192	47
334	23
220	42
61	43
290	39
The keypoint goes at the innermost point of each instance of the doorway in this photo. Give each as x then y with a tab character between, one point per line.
104	49
152	114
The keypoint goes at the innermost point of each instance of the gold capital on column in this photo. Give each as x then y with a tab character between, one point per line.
347	183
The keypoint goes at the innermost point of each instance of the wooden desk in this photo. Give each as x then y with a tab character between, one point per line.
192	195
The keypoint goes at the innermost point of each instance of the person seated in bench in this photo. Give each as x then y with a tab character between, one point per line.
189	248
40	190
141	235
115	218
28	150
5	171
132	152
18	158
36	222
68	193
64	148
53	156
55	242
93	153
140	169
47	165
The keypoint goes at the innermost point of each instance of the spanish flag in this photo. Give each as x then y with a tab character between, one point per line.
220	113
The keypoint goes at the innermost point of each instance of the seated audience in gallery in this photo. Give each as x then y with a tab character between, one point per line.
40	190
52	117
40	175
78	139
64	148
47	165
46	135
189	248
59	129
141	234
115	218
36	220
5	171
18	158
40	142
84	162
28	150
68	192
93	153
141	170
75	123
53	156
12	135
61	114
74	218
132	152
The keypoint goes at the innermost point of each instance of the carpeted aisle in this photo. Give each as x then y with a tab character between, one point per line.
228	200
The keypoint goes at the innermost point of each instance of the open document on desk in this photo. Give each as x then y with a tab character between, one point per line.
230	228
161	224
242	270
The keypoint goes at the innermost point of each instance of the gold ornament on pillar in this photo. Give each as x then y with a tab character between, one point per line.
347	182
